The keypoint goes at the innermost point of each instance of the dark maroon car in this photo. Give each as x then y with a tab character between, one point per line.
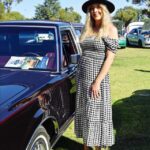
38	61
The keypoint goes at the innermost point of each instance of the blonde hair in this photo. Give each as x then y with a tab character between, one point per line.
89	24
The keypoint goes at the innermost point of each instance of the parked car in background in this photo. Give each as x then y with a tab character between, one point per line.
38	61
121	32
138	37
121	39
134	25
78	28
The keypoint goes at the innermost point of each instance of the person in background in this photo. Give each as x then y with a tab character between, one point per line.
99	42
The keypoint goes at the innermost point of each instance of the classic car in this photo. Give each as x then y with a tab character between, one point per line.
38	61
138	37
78	27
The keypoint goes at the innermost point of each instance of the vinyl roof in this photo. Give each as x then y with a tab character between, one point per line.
34	22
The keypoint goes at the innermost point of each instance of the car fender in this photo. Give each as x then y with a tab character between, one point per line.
47	123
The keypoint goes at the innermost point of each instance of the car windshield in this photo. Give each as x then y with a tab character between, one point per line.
28	48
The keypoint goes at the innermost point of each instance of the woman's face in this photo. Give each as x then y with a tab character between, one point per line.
96	12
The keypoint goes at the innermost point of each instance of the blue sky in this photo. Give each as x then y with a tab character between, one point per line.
27	7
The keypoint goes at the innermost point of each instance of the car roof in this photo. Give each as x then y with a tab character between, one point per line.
34	23
77	24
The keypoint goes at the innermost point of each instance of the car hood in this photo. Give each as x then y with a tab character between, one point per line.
19	84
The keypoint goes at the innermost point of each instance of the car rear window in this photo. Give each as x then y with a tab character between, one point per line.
31	46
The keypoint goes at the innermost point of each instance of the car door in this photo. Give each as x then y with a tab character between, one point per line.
61	95
68	70
136	36
132	36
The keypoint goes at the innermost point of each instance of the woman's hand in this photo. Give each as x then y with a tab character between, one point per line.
95	90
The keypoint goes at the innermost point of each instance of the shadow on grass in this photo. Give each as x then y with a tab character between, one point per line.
65	143
131	118
147	71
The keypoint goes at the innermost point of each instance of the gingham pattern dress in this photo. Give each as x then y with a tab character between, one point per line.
93	117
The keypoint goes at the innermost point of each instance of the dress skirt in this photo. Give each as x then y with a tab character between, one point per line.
93	117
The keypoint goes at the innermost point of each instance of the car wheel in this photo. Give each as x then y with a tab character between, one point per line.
140	43
40	140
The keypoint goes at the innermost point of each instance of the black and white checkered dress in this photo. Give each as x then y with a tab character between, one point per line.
93	117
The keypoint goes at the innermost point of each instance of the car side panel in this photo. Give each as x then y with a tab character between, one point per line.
15	129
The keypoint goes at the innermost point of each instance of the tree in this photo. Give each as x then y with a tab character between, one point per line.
14	15
2	11
145	11
119	24
127	14
146	25
11	15
147	2
8	4
49	10
68	14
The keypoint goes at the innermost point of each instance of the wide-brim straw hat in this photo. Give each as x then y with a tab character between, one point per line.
110	6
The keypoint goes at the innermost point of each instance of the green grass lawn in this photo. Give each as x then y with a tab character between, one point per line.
130	90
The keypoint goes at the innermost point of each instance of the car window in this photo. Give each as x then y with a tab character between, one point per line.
28	47
136	31
78	31
140	30
132	31
68	46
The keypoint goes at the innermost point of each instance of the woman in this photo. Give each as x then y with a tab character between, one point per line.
93	118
